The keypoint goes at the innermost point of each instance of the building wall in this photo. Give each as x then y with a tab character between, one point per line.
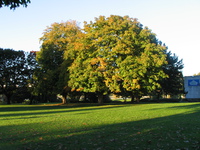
192	86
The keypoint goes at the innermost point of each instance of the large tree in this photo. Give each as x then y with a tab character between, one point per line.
14	3
57	52
117	52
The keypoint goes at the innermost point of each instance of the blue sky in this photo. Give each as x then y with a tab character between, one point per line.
175	22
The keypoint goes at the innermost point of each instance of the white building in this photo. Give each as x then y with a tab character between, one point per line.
192	86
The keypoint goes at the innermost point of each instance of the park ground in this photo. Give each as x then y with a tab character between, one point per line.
116	126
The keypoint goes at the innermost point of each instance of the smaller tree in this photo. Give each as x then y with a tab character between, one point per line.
174	83
57	53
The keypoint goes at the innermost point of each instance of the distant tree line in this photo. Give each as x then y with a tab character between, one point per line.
110	55
16	74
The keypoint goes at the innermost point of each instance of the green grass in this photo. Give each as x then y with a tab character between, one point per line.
91	127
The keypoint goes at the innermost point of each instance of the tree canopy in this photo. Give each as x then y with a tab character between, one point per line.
14	3
117	53
57	53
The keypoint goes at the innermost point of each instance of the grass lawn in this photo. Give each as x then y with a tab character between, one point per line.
170	126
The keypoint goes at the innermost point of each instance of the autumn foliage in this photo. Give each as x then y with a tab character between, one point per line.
112	54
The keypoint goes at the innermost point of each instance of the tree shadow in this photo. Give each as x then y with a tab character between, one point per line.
42	110
194	106
180	131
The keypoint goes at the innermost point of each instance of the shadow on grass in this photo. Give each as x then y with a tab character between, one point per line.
179	131
42	110
192	106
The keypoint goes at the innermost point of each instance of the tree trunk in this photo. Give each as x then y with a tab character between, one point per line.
85	97
44	98
137	99
8	98
124	99
64	99
100	98
31	100
158	96
132	98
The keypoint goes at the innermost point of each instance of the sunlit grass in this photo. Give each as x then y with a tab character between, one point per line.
114	126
